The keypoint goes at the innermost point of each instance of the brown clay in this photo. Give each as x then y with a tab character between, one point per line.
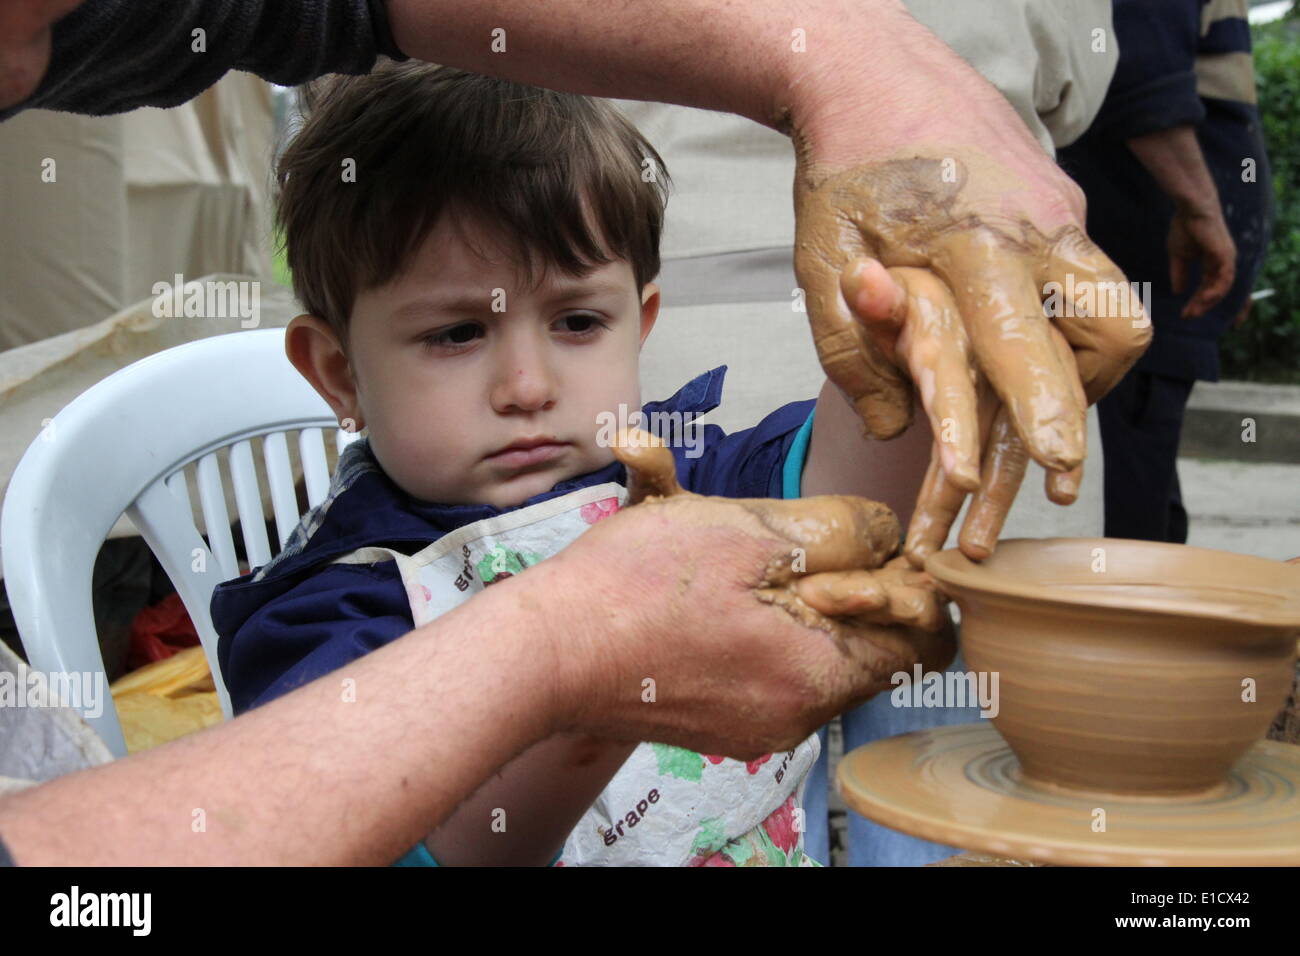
834	531
1128	667
835	568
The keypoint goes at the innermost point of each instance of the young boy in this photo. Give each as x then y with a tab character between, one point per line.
476	260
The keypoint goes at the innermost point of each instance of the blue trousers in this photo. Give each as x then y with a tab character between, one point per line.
871	844
1141	422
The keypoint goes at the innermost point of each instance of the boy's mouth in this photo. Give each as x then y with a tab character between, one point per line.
528	452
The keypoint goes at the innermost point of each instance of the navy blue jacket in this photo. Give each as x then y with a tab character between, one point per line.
1175	70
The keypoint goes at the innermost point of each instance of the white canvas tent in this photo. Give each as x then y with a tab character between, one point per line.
97	210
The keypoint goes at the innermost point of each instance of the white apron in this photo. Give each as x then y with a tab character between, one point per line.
666	806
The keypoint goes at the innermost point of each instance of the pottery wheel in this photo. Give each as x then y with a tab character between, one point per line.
961	785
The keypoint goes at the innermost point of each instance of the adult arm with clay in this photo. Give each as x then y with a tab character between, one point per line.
934	172
310	779
913	319
904	155
544	792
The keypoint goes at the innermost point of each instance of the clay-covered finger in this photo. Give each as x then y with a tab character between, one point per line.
651	469
997	291
939	501
1100	313
905	606
878	301
914	597
934	348
837	593
916	607
937	507
880	391
1062	487
826	533
1004	469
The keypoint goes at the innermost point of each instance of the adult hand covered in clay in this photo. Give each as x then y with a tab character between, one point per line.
781	613
942	176
976	324
960	216
911	318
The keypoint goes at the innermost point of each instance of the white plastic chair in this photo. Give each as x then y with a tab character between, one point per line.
122	446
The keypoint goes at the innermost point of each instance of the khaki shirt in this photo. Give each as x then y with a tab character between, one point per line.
1052	60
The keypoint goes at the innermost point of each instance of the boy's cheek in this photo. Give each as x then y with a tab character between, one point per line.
594	456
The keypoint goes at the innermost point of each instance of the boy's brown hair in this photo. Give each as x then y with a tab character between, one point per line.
566	179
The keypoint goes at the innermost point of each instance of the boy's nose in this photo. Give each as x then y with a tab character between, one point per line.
524	382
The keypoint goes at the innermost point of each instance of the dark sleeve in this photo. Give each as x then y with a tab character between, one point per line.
1155	82
5	858
326	622
110	56
748	463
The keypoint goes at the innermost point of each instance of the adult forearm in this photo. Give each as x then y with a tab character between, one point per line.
763	59
352	769
1174	159
524	814
844	461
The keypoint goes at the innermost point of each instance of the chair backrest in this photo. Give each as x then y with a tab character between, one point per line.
123	446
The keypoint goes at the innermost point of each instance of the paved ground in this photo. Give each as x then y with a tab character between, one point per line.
1247	508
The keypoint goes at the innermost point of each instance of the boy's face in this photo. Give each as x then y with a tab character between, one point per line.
475	388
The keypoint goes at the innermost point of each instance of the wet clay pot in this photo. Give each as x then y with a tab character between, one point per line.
1127	667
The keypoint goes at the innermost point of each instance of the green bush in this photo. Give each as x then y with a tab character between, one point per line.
1267	347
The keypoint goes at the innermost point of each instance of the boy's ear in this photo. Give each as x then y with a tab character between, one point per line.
649	309
315	351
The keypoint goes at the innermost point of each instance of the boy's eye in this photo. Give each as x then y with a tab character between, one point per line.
461	334
580	322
